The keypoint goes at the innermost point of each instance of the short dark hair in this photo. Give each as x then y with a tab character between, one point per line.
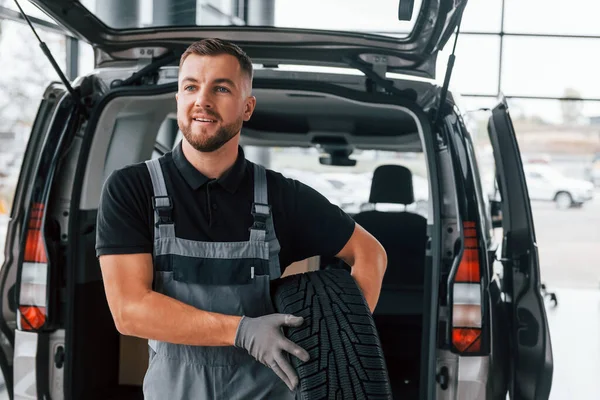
215	47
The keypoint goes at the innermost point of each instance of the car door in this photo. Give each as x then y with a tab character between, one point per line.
531	351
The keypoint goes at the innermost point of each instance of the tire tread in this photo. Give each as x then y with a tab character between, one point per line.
339	333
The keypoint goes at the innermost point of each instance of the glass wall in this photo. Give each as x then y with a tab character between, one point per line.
553	97
24	74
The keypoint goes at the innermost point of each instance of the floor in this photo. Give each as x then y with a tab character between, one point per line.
575	335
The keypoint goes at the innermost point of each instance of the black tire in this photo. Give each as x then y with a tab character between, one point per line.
563	200
346	359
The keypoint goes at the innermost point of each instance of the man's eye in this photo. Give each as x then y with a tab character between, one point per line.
222	89
188	88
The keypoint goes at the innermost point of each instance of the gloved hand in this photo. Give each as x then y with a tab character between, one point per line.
263	338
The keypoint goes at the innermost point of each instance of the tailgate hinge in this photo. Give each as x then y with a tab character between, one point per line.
379	65
375	67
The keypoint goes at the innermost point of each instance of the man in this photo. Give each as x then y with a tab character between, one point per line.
189	242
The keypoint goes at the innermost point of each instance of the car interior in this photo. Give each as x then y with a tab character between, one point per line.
398	315
134	128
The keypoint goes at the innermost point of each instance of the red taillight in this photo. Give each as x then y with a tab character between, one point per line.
466	340
32	317
34	244
468	269
466	294
34	273
34	247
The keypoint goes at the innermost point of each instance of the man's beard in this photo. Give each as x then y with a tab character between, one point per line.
207	144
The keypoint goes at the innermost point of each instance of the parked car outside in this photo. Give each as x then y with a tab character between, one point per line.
547	183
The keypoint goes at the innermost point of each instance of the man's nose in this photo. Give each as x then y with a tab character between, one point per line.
204	99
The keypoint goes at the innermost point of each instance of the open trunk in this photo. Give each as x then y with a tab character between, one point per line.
135	124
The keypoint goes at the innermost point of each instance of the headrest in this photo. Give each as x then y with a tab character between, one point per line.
392	184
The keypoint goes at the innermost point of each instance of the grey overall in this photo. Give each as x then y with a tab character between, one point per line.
224	277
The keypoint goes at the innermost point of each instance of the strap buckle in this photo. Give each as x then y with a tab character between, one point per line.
260	212
163	206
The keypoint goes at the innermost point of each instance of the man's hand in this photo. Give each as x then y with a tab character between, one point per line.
263	338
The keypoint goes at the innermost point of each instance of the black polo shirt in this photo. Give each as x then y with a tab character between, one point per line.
217	210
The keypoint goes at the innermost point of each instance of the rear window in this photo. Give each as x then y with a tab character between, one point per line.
379	16
348	187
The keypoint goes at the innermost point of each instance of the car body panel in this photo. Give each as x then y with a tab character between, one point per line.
26	347
473	377
416	54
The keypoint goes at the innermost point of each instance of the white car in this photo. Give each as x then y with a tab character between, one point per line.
547	183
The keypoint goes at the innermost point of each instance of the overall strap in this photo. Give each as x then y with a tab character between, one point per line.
263	228
261	210
162	203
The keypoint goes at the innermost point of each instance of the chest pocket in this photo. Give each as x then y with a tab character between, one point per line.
226	271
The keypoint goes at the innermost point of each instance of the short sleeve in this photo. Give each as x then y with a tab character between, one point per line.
123	223
318	226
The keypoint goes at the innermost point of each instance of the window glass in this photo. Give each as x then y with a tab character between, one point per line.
580	116
575	17
482	16
29	9
378	16
86	58
476	65
470	104
550	67
345	186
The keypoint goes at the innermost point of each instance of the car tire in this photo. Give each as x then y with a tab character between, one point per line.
563	200
339	333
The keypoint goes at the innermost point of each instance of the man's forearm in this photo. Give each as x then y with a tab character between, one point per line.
156	316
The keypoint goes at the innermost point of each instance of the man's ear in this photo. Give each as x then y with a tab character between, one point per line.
249	107
177	96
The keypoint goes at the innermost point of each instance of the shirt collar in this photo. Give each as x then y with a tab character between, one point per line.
230	181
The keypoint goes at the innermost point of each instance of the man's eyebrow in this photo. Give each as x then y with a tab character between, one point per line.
189	78
216	81
225	80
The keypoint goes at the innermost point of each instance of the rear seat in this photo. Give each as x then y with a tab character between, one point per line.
404	237
398	315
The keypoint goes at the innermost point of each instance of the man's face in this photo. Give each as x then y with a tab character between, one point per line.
213	100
